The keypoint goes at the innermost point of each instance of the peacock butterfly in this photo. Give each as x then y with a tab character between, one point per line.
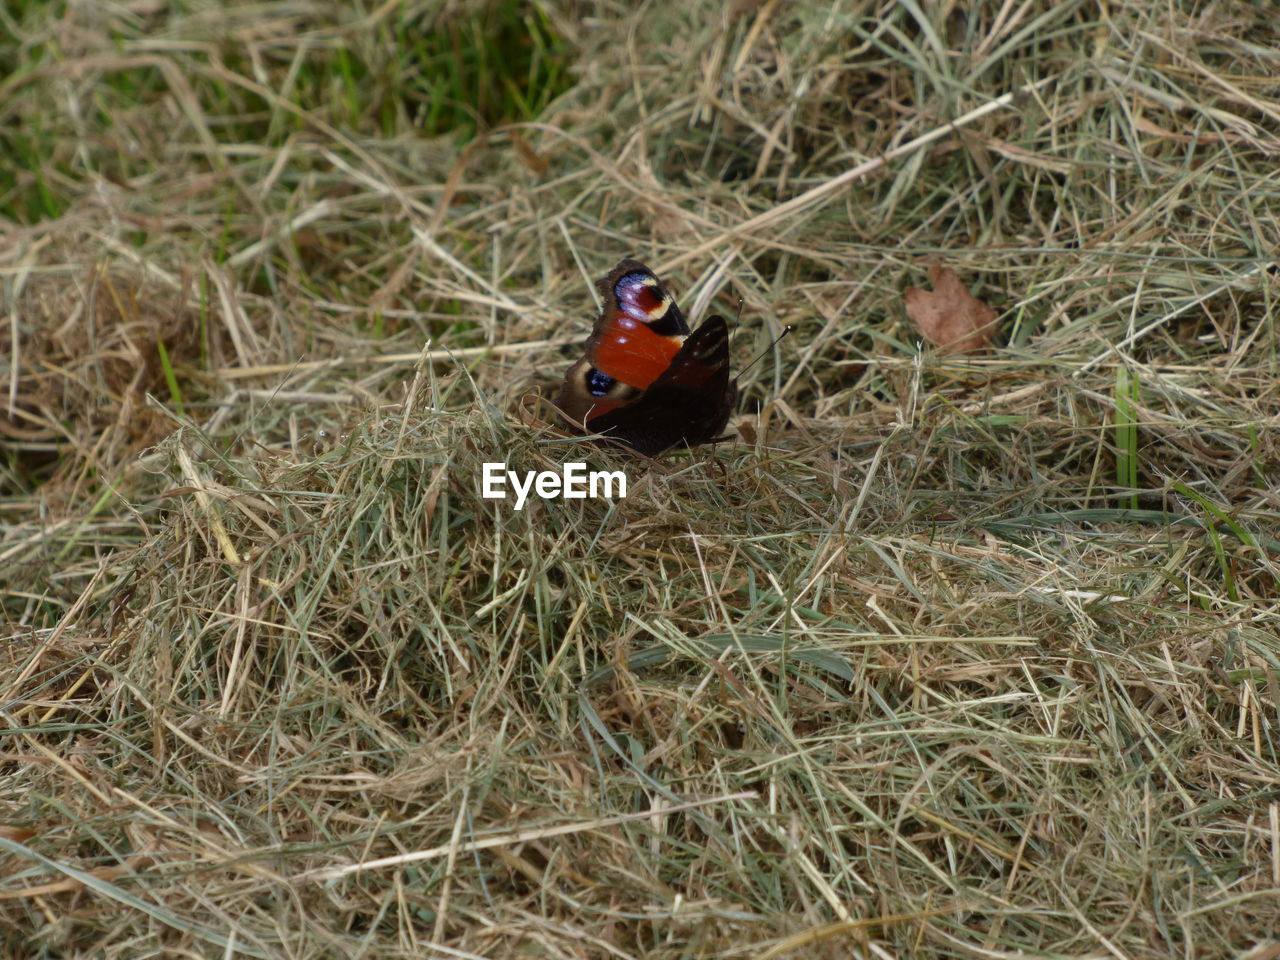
647	380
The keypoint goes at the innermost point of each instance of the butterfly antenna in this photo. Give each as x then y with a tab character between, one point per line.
759	356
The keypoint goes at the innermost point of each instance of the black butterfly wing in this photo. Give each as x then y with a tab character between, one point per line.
688	404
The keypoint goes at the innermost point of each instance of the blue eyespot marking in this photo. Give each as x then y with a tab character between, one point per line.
598	383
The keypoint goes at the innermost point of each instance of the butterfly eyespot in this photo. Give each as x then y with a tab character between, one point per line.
642	300
599	384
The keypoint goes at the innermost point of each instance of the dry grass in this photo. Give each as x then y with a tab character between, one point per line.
970	657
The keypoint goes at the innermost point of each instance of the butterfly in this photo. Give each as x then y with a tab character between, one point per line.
647	380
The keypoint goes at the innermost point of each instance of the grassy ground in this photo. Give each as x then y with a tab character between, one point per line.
970	657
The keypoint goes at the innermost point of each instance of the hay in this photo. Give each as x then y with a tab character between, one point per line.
942	657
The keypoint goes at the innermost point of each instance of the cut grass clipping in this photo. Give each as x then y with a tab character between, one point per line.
941	655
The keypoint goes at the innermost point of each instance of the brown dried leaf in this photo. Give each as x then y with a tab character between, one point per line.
949	316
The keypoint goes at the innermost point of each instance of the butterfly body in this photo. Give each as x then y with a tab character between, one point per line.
647	380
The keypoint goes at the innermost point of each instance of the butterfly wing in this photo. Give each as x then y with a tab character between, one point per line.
640	329
639	332
689	403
